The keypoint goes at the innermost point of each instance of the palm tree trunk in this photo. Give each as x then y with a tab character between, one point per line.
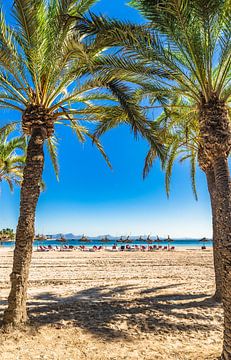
215	144
16	312
223	196
217	256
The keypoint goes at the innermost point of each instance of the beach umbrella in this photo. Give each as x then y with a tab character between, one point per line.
149	240
105	239
139	239
169	240
158	240
120	240
204	240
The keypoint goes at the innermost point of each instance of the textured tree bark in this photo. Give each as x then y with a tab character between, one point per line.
217	256
215	146
16	312
223	185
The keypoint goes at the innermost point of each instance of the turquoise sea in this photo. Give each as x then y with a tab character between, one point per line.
189	243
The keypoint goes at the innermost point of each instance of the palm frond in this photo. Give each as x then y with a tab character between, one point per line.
99	146
148	163
52	148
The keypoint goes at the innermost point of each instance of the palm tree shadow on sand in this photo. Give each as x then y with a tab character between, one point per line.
108	313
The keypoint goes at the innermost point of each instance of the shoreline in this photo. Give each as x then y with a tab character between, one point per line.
109	250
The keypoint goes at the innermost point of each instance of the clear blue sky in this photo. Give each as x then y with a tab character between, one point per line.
94	200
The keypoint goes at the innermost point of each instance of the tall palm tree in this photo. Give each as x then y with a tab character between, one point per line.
190	41
11	160
48	75
180	133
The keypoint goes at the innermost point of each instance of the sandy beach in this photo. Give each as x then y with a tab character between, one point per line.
125	305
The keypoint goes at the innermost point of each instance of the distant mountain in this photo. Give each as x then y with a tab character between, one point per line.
67	236
70	236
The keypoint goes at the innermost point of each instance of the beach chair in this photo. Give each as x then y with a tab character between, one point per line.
159	247
67	248
143	248
172	248
40	248
44	248
203	247
165	248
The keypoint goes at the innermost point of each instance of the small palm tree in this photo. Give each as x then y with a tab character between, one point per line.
7	234
48	74
190	42
11	161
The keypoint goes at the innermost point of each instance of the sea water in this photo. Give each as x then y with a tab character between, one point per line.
187	243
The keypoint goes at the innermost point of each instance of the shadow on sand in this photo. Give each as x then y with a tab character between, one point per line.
109	313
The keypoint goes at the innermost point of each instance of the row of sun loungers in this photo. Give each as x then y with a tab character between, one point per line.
98	248
144	248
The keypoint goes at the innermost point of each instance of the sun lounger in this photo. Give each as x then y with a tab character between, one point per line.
66	248
92	249
114	248
42	248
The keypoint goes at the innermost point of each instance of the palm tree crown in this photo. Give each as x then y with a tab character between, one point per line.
185	49
7	234
50	73
11	161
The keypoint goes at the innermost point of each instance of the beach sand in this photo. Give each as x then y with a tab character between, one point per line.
114	306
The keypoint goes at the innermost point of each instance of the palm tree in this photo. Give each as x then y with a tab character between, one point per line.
7	234
190	42
181	133
48	74
11	161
